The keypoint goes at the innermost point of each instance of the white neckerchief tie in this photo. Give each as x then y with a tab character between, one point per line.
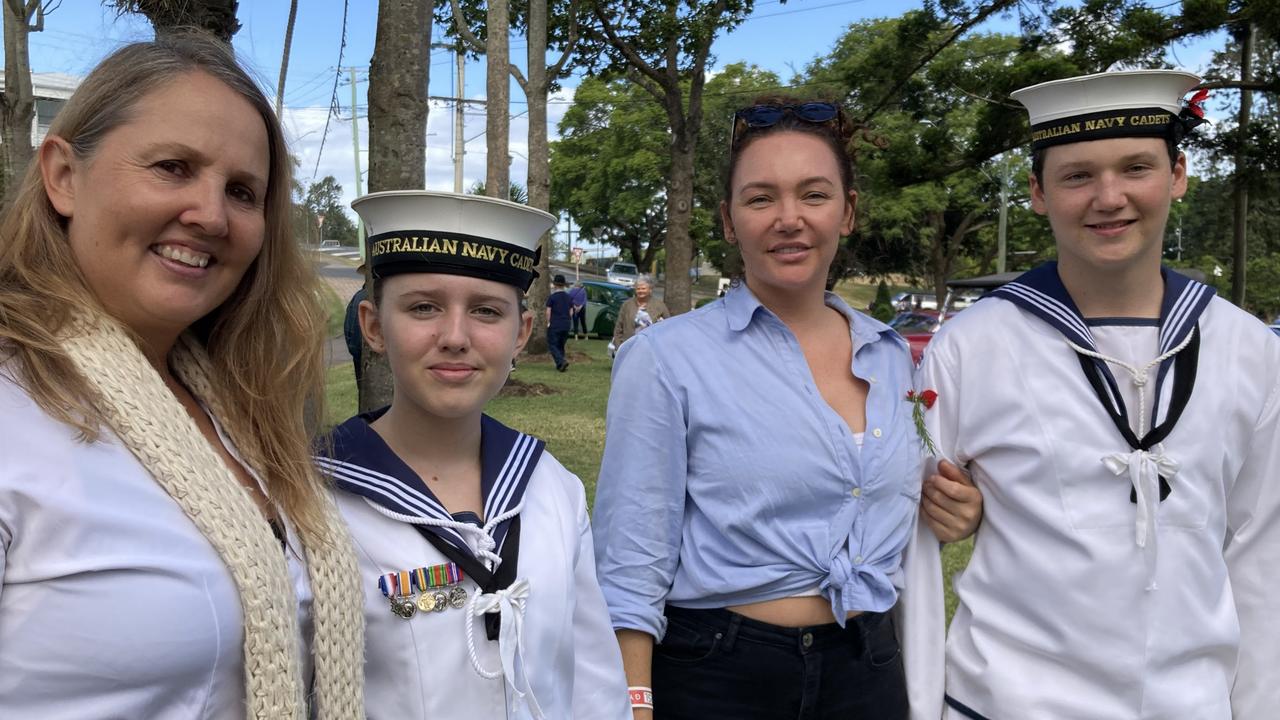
1145	470
508	604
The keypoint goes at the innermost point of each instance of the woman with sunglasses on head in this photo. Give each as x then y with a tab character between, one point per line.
762	471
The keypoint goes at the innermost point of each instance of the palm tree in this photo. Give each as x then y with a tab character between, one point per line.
216	16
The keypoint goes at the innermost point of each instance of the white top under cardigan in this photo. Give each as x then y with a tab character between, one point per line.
112	604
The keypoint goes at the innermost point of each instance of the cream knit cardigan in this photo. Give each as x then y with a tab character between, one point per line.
155	427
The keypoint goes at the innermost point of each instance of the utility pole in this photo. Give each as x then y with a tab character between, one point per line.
459	143
1239	247
1002	236
355	145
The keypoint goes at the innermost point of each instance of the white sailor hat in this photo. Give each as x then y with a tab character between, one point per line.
417	231
1130	103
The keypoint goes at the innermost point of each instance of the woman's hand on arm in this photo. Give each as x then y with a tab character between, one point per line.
951	504
637	661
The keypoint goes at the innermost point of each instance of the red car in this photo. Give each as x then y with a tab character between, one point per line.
918	326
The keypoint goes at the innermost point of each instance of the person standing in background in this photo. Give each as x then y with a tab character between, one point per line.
578	310
351	328
638	312
558	306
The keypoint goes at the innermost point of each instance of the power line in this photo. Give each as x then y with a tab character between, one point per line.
333	102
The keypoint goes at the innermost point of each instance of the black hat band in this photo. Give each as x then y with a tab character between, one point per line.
431	251
1127	122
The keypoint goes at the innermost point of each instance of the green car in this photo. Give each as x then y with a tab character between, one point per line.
604	299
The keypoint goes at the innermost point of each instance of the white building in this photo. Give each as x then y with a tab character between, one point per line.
51	90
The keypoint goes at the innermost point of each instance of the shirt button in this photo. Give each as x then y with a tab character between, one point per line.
871	380
876	432
858	559
806	640
856	492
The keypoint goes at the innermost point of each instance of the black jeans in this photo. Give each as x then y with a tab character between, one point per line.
579	322
716	664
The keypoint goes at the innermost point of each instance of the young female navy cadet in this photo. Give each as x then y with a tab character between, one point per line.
481	600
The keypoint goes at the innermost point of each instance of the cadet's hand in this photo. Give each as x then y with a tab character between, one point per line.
951	504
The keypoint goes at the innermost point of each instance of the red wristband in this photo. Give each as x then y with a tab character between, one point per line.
641	697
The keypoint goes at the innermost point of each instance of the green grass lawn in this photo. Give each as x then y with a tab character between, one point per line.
859	292
571	421
335	311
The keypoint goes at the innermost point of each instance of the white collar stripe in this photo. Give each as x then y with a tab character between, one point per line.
1049	305
504	490
386	487
1184	309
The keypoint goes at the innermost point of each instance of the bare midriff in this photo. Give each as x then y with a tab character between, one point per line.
790	612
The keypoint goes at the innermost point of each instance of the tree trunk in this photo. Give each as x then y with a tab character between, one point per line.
497	174
539	182
17	103
1239	246
398	75
677	292
284	58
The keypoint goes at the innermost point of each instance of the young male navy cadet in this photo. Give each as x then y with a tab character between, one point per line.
1123	424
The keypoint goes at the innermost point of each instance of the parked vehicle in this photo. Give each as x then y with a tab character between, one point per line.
604	299
915	300
622	274
918	326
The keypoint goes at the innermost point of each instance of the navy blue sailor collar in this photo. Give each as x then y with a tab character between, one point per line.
361	463
1040	292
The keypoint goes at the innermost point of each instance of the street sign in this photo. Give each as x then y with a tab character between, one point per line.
577	255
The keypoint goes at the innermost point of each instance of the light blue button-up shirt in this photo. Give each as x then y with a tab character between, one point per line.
727	479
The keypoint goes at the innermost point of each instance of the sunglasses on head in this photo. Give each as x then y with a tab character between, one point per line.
762	116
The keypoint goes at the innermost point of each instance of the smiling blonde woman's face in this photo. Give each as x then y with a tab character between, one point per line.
168	213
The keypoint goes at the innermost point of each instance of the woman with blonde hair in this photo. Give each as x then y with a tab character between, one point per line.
159	340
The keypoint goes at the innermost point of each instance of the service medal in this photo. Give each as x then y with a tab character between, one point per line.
403	607
441	600
457	597
427	602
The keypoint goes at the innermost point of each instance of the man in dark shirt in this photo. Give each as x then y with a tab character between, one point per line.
558	305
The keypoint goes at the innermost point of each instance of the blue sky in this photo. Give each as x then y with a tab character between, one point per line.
780	37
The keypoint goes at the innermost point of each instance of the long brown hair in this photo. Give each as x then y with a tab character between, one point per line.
265	340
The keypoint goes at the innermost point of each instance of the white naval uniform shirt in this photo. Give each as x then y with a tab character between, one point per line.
1055	618
113	606
420	667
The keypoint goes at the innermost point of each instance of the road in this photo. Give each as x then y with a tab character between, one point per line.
344	279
